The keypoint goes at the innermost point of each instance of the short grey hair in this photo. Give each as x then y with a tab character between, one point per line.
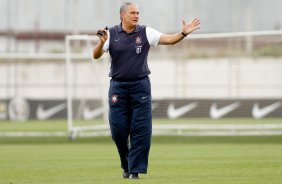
124	6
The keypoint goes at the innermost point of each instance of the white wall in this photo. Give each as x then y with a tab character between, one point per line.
210	78
218	78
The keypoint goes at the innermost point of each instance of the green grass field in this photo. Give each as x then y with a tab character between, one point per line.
195	160
61	125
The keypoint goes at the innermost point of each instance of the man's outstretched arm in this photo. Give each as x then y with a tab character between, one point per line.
187	28
98	50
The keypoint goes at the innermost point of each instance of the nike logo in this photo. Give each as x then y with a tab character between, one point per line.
217	113
261	112
92	114
174	113
43	114
116	40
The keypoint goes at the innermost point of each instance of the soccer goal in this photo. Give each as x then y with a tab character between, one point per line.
207	85
86	88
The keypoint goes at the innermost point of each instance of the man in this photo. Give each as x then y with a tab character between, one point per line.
130	115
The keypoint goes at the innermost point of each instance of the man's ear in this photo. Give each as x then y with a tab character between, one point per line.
121	16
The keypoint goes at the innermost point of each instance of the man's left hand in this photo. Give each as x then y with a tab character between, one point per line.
193	25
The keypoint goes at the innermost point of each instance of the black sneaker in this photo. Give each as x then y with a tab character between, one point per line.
133	176
125	174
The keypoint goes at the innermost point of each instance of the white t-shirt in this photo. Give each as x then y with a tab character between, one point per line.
153	37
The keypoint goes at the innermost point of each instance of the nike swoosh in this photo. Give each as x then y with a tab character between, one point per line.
43	114
174	113
217	113
261	112
92	114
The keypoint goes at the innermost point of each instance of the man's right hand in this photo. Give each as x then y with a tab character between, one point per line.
103	35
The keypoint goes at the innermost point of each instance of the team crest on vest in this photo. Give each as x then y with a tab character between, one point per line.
114	98
138	40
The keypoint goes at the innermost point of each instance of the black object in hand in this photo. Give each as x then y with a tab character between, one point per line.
101	33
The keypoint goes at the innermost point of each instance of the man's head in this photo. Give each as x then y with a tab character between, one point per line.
129	14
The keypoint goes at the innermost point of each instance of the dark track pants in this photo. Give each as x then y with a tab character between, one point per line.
130	120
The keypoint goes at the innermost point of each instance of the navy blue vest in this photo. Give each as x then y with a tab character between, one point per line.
129	52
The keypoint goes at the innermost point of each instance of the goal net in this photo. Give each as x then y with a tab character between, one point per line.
87	84
208	84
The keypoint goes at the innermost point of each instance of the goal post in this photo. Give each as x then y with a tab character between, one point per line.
202	73
79	116
206	85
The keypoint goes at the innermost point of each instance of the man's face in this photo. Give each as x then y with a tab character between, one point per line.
131	15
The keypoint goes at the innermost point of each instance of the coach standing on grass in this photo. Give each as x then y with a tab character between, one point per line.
130	115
